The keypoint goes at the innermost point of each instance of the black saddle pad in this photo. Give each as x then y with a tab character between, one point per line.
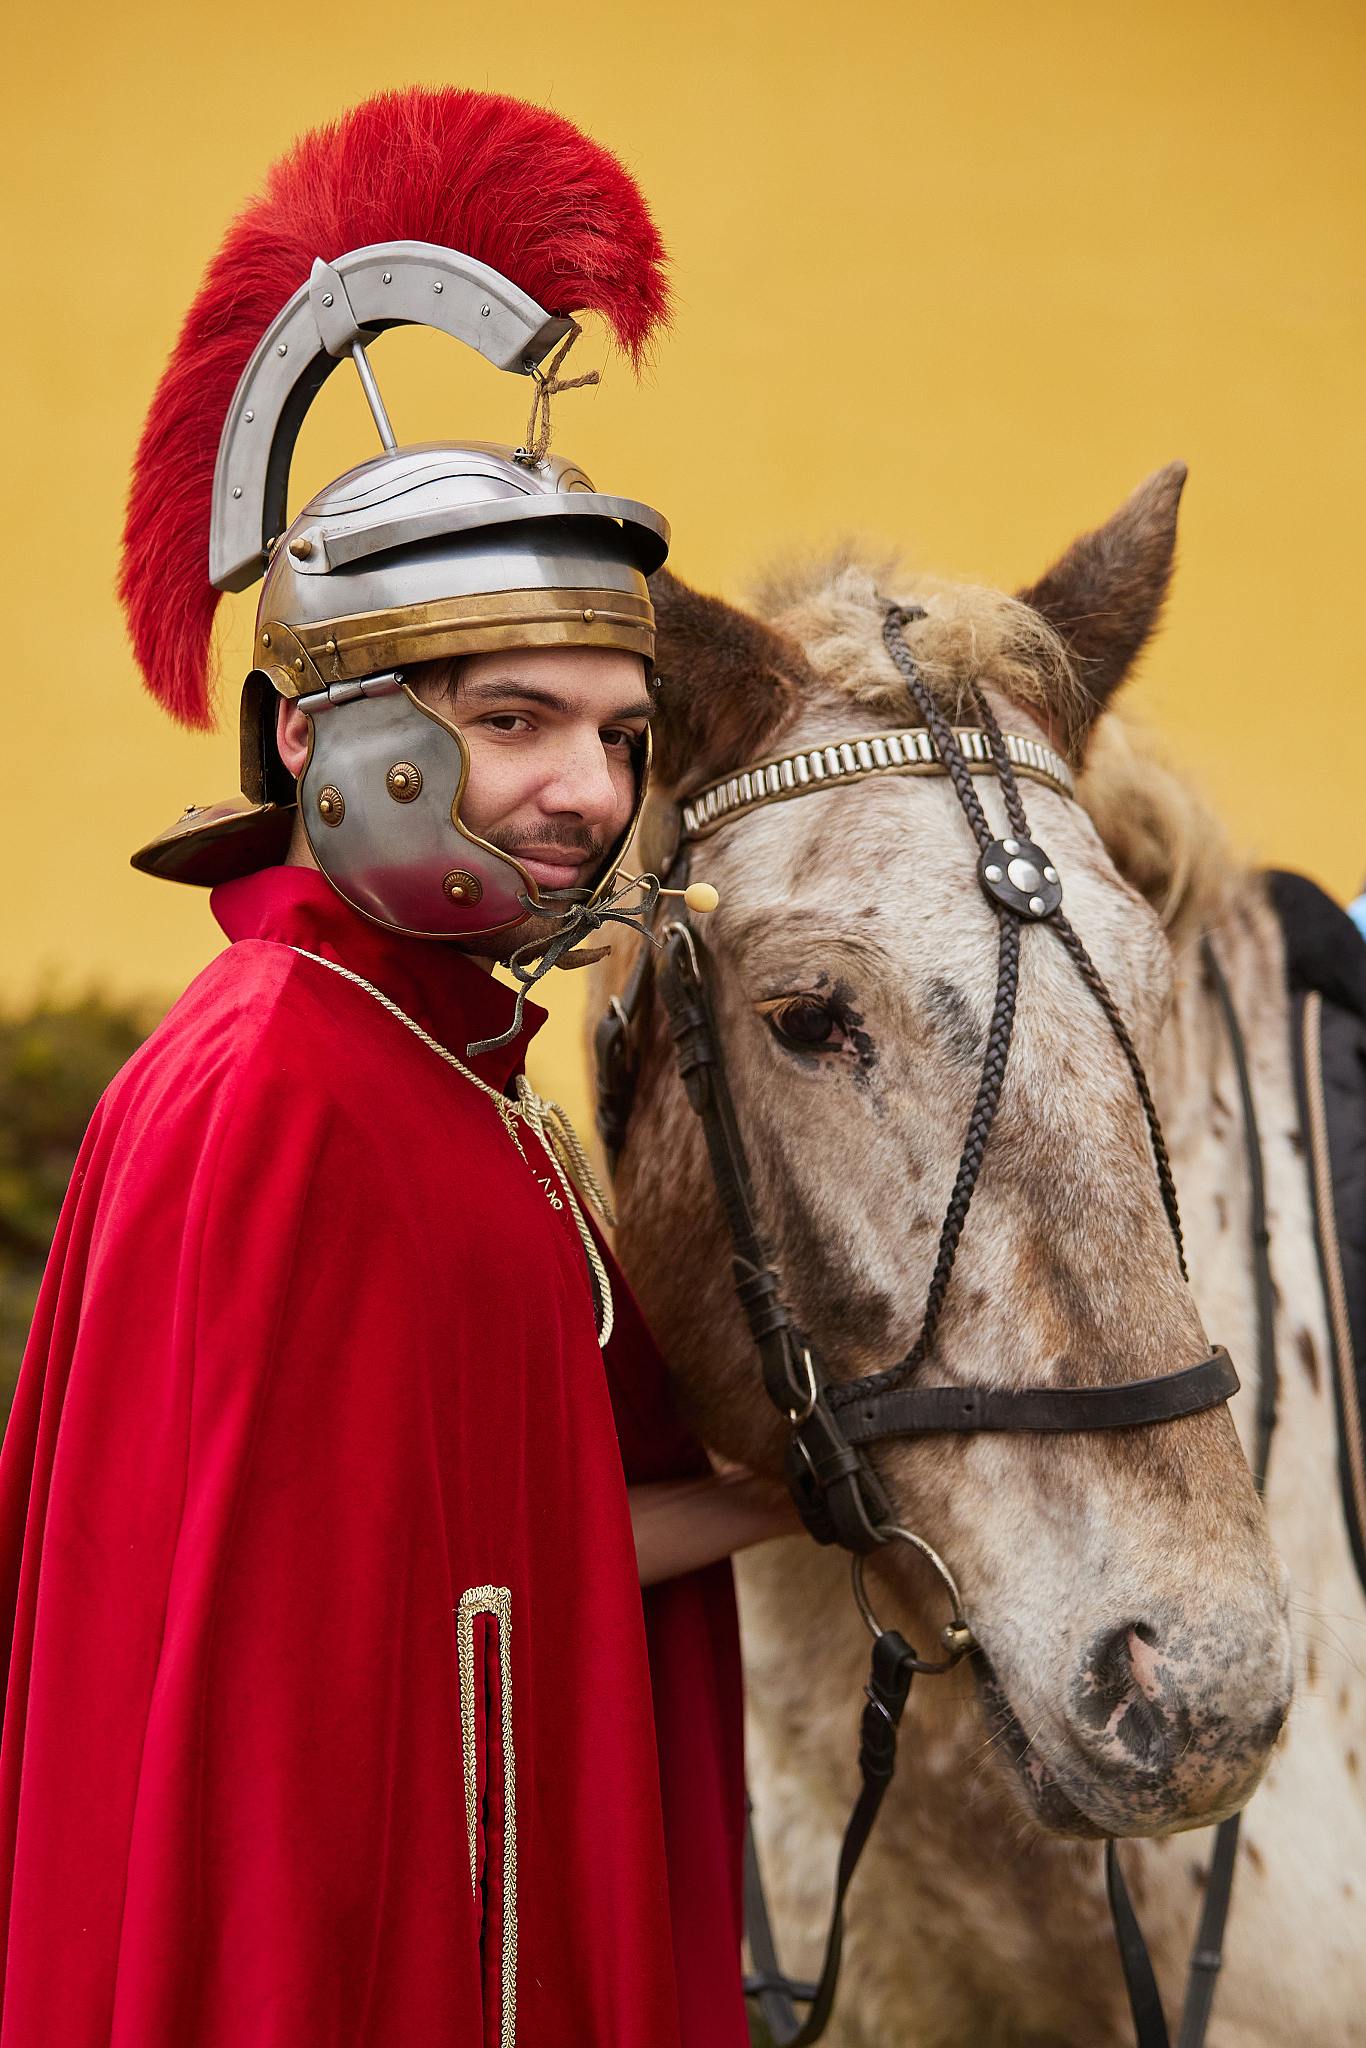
1326	970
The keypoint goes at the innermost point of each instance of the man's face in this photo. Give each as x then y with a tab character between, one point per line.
552	734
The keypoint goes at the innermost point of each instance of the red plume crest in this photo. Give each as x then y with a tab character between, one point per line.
515	186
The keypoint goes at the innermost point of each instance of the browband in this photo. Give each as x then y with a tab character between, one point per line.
910	750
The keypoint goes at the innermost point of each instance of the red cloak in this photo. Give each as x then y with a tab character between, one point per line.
334	1715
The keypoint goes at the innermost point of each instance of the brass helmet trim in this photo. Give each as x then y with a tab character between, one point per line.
302	659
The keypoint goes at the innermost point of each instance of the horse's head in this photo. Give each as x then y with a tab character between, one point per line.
1134	1654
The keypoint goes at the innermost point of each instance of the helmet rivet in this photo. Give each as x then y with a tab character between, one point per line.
438	286
462	887
282	348
329	646
588	615
237	490
265	639
248	415
299	663
331	805
484	312
388	277
301	548
404	781
327	298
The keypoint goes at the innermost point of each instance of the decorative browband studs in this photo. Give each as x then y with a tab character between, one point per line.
1019	874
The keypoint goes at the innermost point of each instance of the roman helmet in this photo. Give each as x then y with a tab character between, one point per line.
494	222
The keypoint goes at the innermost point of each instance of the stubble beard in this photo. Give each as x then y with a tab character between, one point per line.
534	933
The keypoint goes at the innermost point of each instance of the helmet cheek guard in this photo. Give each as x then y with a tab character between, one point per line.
380	801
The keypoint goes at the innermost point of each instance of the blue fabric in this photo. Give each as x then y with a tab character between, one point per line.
1357	912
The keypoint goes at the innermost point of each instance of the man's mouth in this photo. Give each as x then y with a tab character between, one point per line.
552	867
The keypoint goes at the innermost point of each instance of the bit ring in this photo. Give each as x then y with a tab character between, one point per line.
956	1636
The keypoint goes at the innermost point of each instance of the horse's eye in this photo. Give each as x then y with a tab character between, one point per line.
805	1022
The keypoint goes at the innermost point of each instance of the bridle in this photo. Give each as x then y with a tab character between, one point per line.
832	1422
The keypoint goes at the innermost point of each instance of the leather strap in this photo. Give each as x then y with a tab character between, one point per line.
1145	2003
1258	1228
888	1689
916	1411
836	1491
616	1058
1207	1956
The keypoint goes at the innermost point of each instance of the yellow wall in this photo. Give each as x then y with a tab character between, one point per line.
950	277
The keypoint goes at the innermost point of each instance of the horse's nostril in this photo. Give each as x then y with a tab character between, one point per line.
1124	1709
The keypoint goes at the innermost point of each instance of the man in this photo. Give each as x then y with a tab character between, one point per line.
333	1713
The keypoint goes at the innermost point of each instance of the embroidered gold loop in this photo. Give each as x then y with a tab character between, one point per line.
497	1602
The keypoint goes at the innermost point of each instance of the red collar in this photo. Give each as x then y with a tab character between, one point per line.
443	989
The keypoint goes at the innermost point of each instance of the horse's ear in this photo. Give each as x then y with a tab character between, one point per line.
728	684
1104	596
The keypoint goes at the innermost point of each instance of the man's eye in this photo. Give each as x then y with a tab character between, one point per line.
618	739
805	1022
506	721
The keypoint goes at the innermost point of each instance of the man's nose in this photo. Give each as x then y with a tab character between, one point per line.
583	783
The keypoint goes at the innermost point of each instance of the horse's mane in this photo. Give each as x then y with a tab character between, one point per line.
1161	835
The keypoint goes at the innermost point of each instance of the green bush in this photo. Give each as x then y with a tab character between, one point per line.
56	1059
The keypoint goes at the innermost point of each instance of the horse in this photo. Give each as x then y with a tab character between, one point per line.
1139	1629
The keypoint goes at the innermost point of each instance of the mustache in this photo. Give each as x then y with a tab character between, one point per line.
572	838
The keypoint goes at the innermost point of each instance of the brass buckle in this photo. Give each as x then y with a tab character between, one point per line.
797	1416
684	933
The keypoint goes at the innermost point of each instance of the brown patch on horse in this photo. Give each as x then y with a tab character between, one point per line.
729	684
1255	1858
1105	596
1309	1357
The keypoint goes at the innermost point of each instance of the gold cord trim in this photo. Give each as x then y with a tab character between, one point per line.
497	1602
535	1113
